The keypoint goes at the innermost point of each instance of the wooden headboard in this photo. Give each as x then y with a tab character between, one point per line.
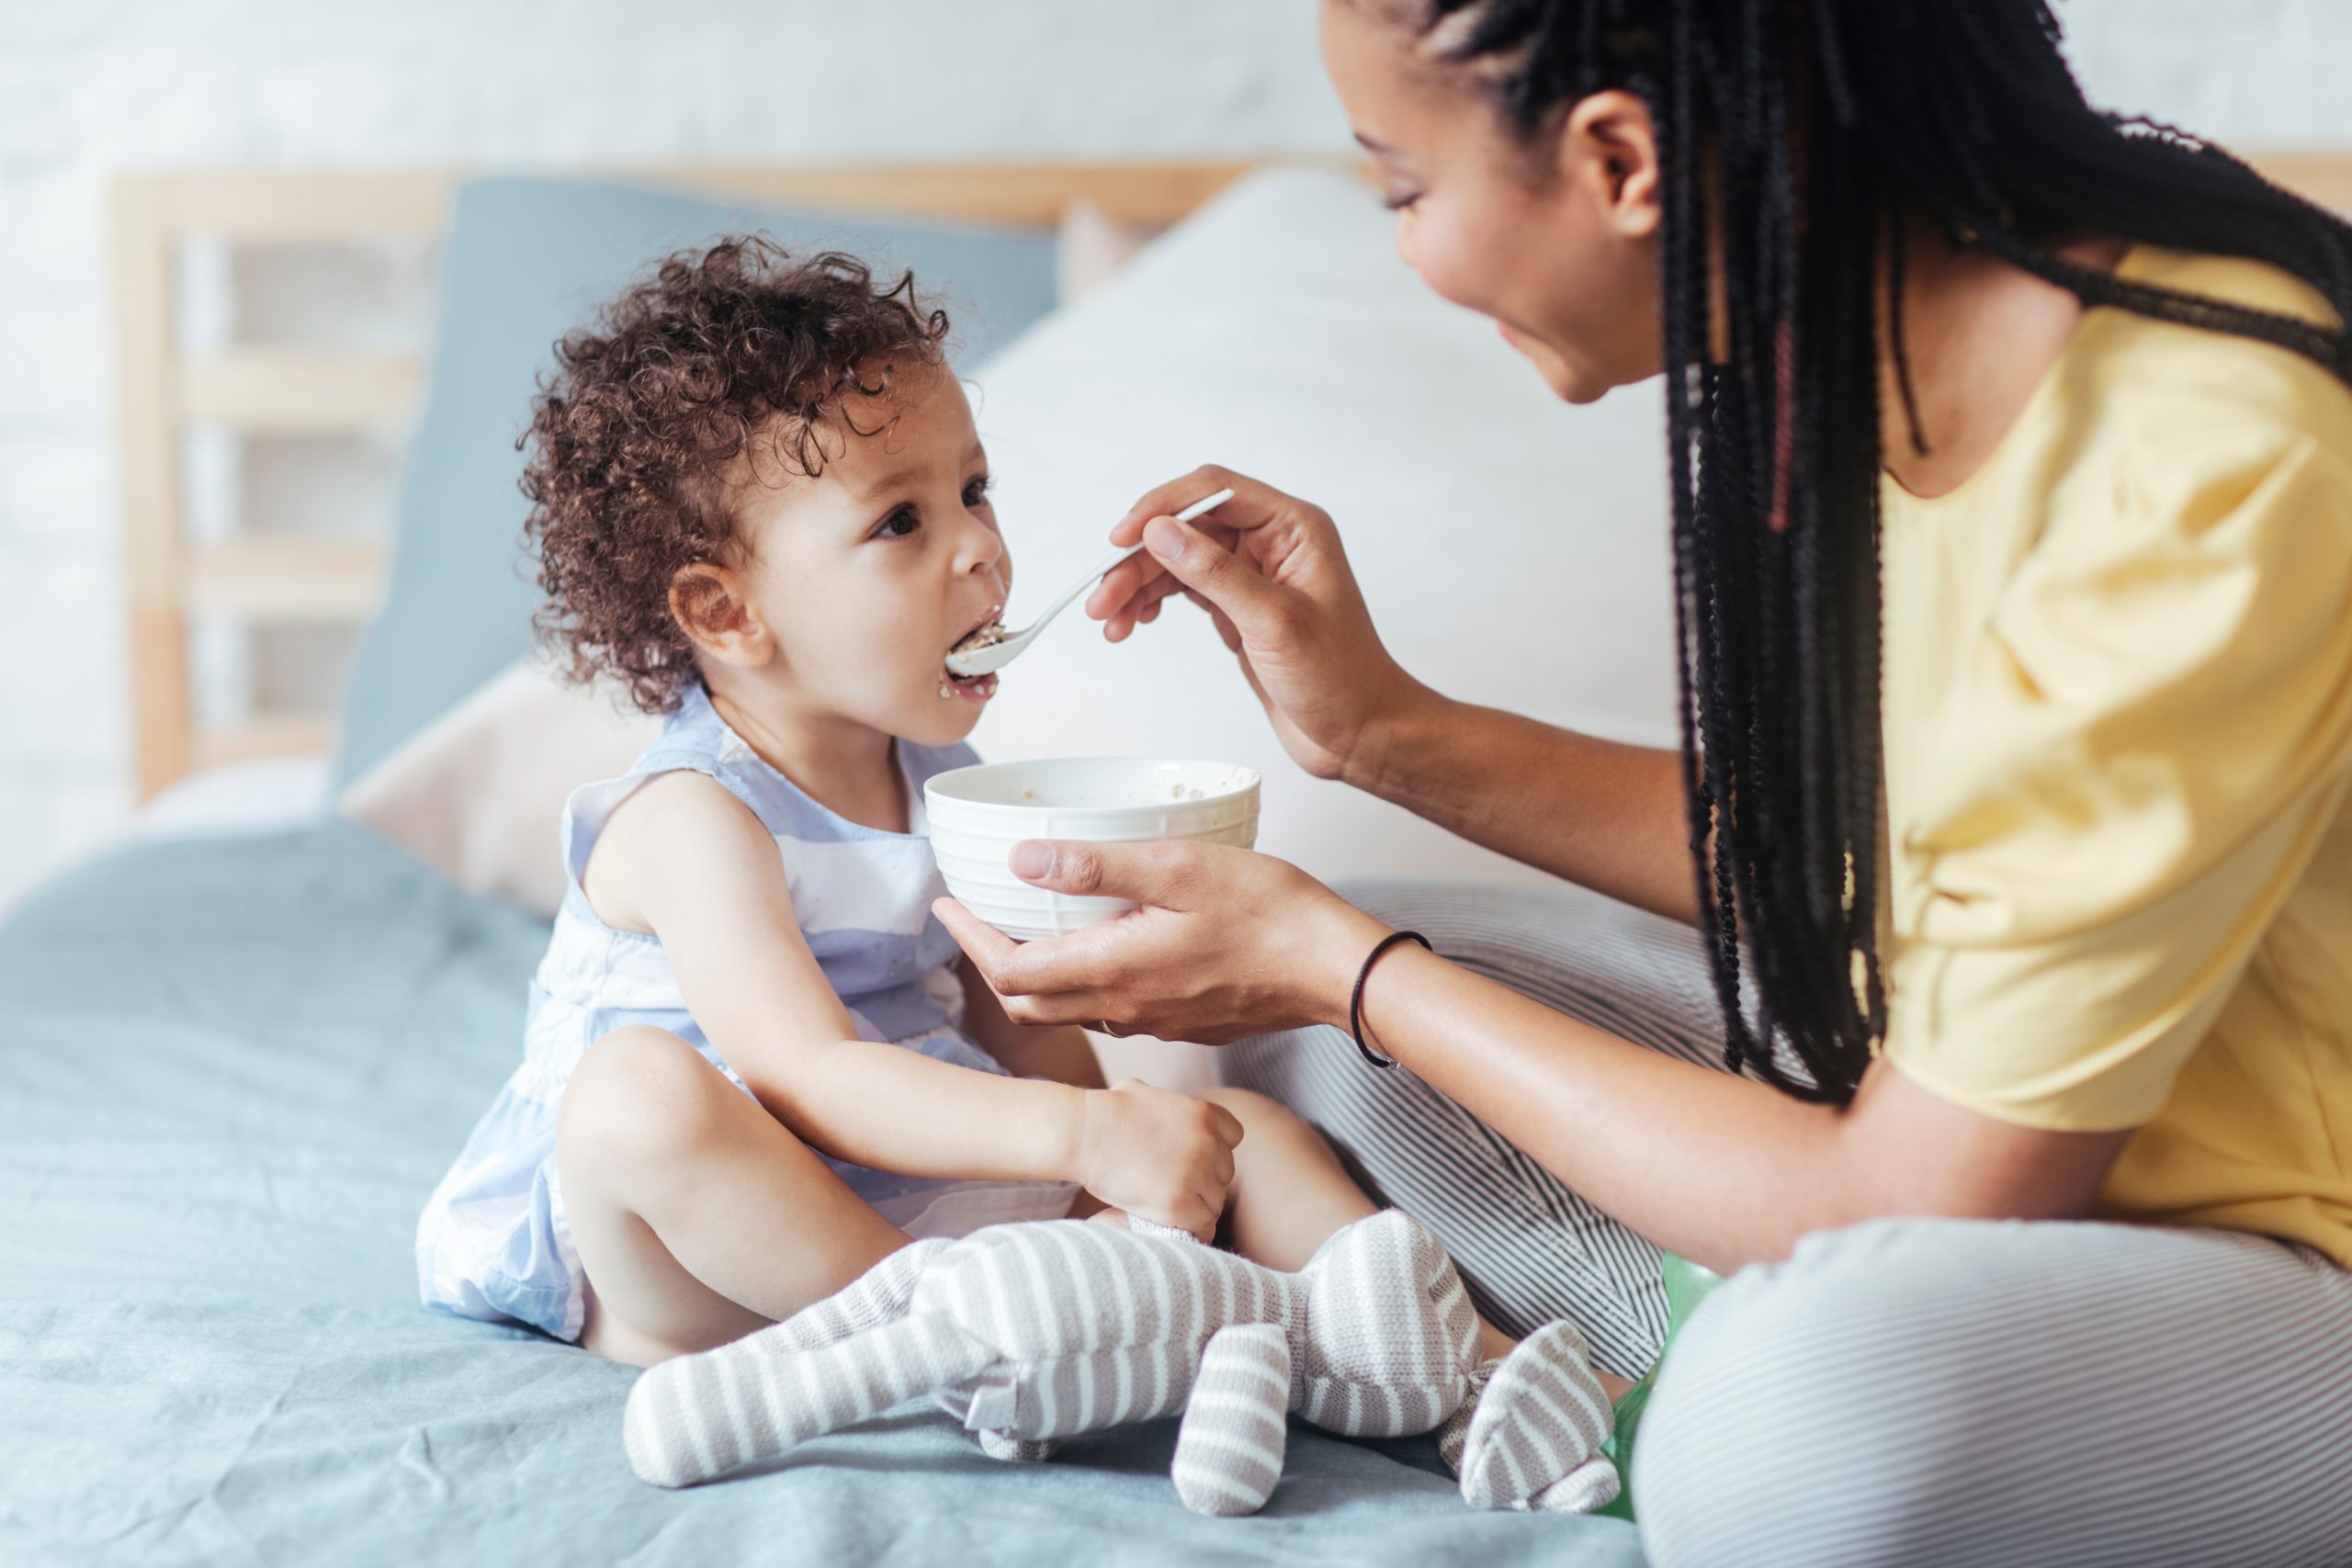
289	579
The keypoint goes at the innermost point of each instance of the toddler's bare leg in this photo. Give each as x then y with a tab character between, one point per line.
698	1216
1290	1193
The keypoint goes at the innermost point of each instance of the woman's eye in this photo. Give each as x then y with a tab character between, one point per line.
899	525
976	492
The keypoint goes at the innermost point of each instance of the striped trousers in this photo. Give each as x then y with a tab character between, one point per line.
1934	1392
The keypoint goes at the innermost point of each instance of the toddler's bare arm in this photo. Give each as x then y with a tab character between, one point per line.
1059	1051
684	859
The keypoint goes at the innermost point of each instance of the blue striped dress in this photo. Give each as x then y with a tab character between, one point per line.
493	1242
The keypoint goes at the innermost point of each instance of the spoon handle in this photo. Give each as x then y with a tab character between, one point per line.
1119	557
1200	508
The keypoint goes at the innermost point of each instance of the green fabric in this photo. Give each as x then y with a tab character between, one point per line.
1687	1285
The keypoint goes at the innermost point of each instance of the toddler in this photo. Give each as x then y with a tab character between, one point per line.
754	1063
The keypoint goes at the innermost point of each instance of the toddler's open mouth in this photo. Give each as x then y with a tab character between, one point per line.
974	688
988	636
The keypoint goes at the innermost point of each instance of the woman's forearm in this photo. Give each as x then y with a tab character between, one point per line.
1599	813
896	1109
1722	1170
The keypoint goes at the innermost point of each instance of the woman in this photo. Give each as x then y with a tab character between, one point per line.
2003	873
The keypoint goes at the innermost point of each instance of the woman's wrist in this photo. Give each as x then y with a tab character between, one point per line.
1350	935
1380	753
1375	987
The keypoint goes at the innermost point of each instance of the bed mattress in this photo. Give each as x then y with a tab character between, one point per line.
230	1068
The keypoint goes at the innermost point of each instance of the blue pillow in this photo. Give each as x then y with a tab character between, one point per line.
528	260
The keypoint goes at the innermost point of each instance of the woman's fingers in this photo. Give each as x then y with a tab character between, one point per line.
1051	980
1250	497
1123	609
1129	585
1227	943
1157	871
1256	606
987	946
1129	595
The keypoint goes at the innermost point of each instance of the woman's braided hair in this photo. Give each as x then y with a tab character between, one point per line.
1820	122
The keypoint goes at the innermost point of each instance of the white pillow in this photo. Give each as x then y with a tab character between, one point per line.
479	792
1514	549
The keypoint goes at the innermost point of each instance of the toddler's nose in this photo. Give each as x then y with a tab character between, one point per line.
982	550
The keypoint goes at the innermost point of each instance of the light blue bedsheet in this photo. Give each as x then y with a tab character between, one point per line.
230	1071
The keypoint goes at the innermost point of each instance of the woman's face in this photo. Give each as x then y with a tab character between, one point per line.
1554	237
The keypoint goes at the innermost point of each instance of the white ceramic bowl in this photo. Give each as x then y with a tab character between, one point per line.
976	816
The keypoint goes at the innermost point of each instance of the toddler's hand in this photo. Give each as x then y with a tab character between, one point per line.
1157	1153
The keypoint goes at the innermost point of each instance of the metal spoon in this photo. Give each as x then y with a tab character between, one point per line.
969	662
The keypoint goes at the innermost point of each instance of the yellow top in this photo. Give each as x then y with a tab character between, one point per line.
2119	730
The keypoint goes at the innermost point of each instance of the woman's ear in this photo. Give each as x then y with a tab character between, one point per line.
1609	147
711	607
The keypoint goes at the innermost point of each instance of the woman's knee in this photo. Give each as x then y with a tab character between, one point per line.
639	1096
1815	1390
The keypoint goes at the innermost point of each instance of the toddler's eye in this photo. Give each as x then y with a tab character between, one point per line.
899	525
1401	203
976	492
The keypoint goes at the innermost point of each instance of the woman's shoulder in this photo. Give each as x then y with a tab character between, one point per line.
2175	393
2237	281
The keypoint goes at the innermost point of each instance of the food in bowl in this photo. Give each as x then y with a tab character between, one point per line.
976	814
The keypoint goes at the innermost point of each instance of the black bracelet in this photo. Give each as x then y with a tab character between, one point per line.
1355	1003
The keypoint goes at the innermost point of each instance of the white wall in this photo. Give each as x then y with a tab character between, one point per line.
92	86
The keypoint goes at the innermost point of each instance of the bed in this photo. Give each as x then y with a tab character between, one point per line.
234	1065
237	1051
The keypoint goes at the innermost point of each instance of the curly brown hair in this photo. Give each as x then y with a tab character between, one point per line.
635	434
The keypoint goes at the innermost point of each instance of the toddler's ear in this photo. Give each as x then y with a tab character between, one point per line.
708	603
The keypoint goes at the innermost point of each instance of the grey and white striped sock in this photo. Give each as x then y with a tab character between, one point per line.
1229	1449
876	1297
693	1417
1535	1434
1455	1433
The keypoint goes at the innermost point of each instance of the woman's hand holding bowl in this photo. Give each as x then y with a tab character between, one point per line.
1227	943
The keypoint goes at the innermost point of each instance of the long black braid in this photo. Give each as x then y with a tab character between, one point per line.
1821	123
